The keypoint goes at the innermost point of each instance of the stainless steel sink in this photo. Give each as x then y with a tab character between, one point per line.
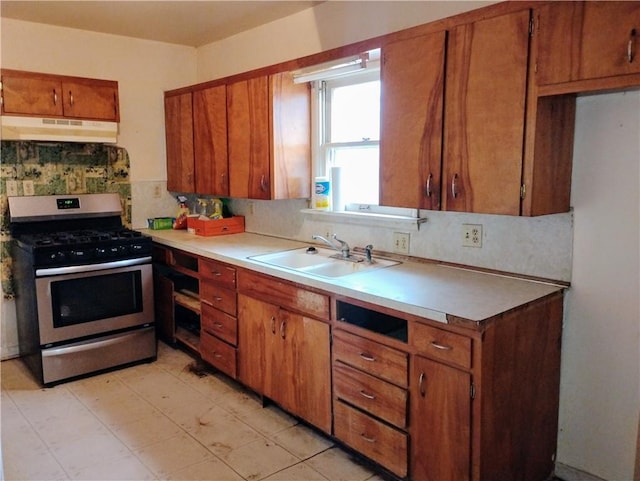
318	261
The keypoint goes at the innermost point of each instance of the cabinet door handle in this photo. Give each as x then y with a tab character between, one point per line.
55	97
367	357
71	101
365	394
421	386
454	191
273	325
630	52
428	191
223	176
442	347
283	329
263	184
367	438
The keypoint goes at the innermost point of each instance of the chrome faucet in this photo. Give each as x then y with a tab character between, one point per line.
367	250
343	247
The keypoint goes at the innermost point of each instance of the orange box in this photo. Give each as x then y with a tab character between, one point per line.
230	225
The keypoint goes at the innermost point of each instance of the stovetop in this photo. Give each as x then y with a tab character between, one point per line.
85	246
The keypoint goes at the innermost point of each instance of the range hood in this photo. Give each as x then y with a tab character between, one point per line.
60	130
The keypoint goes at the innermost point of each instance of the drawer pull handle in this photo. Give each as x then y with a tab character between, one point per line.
367	357
216	273
273	325
441	346
217	355
367	438
217	325
366	395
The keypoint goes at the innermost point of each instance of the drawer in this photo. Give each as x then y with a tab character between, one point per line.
219	324
217	273
371	357
284	294
442	345
218	353
379	442
379	398
219	297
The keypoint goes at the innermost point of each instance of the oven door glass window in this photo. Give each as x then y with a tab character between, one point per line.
86	299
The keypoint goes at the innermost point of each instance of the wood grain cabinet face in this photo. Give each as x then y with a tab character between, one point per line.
587	40
440	421
269	138
178	121
411	122
210	141
286	357
30	93
484	115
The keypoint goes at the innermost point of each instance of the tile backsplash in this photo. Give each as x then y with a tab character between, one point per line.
54	168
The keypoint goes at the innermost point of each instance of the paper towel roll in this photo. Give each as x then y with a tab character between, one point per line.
336	193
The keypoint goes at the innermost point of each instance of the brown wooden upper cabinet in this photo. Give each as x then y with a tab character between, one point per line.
588	41
37	94
210	141
269	135
486	86
178	121
412	76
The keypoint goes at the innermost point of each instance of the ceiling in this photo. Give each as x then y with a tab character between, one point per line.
193	23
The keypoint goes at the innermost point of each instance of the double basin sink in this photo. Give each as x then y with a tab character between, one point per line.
318	261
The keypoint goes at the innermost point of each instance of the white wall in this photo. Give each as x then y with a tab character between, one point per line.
600	387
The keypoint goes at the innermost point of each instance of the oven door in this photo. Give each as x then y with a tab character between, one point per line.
82	301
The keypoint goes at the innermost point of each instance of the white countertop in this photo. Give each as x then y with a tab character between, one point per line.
424	289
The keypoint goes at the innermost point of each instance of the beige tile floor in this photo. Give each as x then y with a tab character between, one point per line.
158	421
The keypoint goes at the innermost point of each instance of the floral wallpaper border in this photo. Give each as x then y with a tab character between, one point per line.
57	168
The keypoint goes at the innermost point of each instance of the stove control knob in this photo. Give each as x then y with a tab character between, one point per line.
101	252
57	257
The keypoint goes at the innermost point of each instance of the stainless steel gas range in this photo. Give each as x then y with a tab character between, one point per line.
84	286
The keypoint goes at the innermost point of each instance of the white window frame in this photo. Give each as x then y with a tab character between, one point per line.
320	109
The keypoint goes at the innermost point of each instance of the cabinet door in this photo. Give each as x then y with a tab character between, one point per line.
301	375
255	320
87	100
440	422
178	122
587	40
411	122
248	134
31	95
210	141
290	137
484	115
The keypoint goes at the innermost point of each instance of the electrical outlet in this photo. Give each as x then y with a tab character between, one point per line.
401	242
157	192
12	188
327	231
472	235
27	187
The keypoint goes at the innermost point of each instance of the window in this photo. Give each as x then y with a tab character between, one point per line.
350	135
346	127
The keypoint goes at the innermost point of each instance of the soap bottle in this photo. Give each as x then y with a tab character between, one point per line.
216	209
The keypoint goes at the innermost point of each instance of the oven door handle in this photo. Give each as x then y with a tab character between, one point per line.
54	271
91	344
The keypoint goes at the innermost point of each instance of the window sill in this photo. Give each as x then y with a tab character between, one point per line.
360	218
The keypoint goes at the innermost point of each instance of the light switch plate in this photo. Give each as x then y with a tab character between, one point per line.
12	188
27	187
